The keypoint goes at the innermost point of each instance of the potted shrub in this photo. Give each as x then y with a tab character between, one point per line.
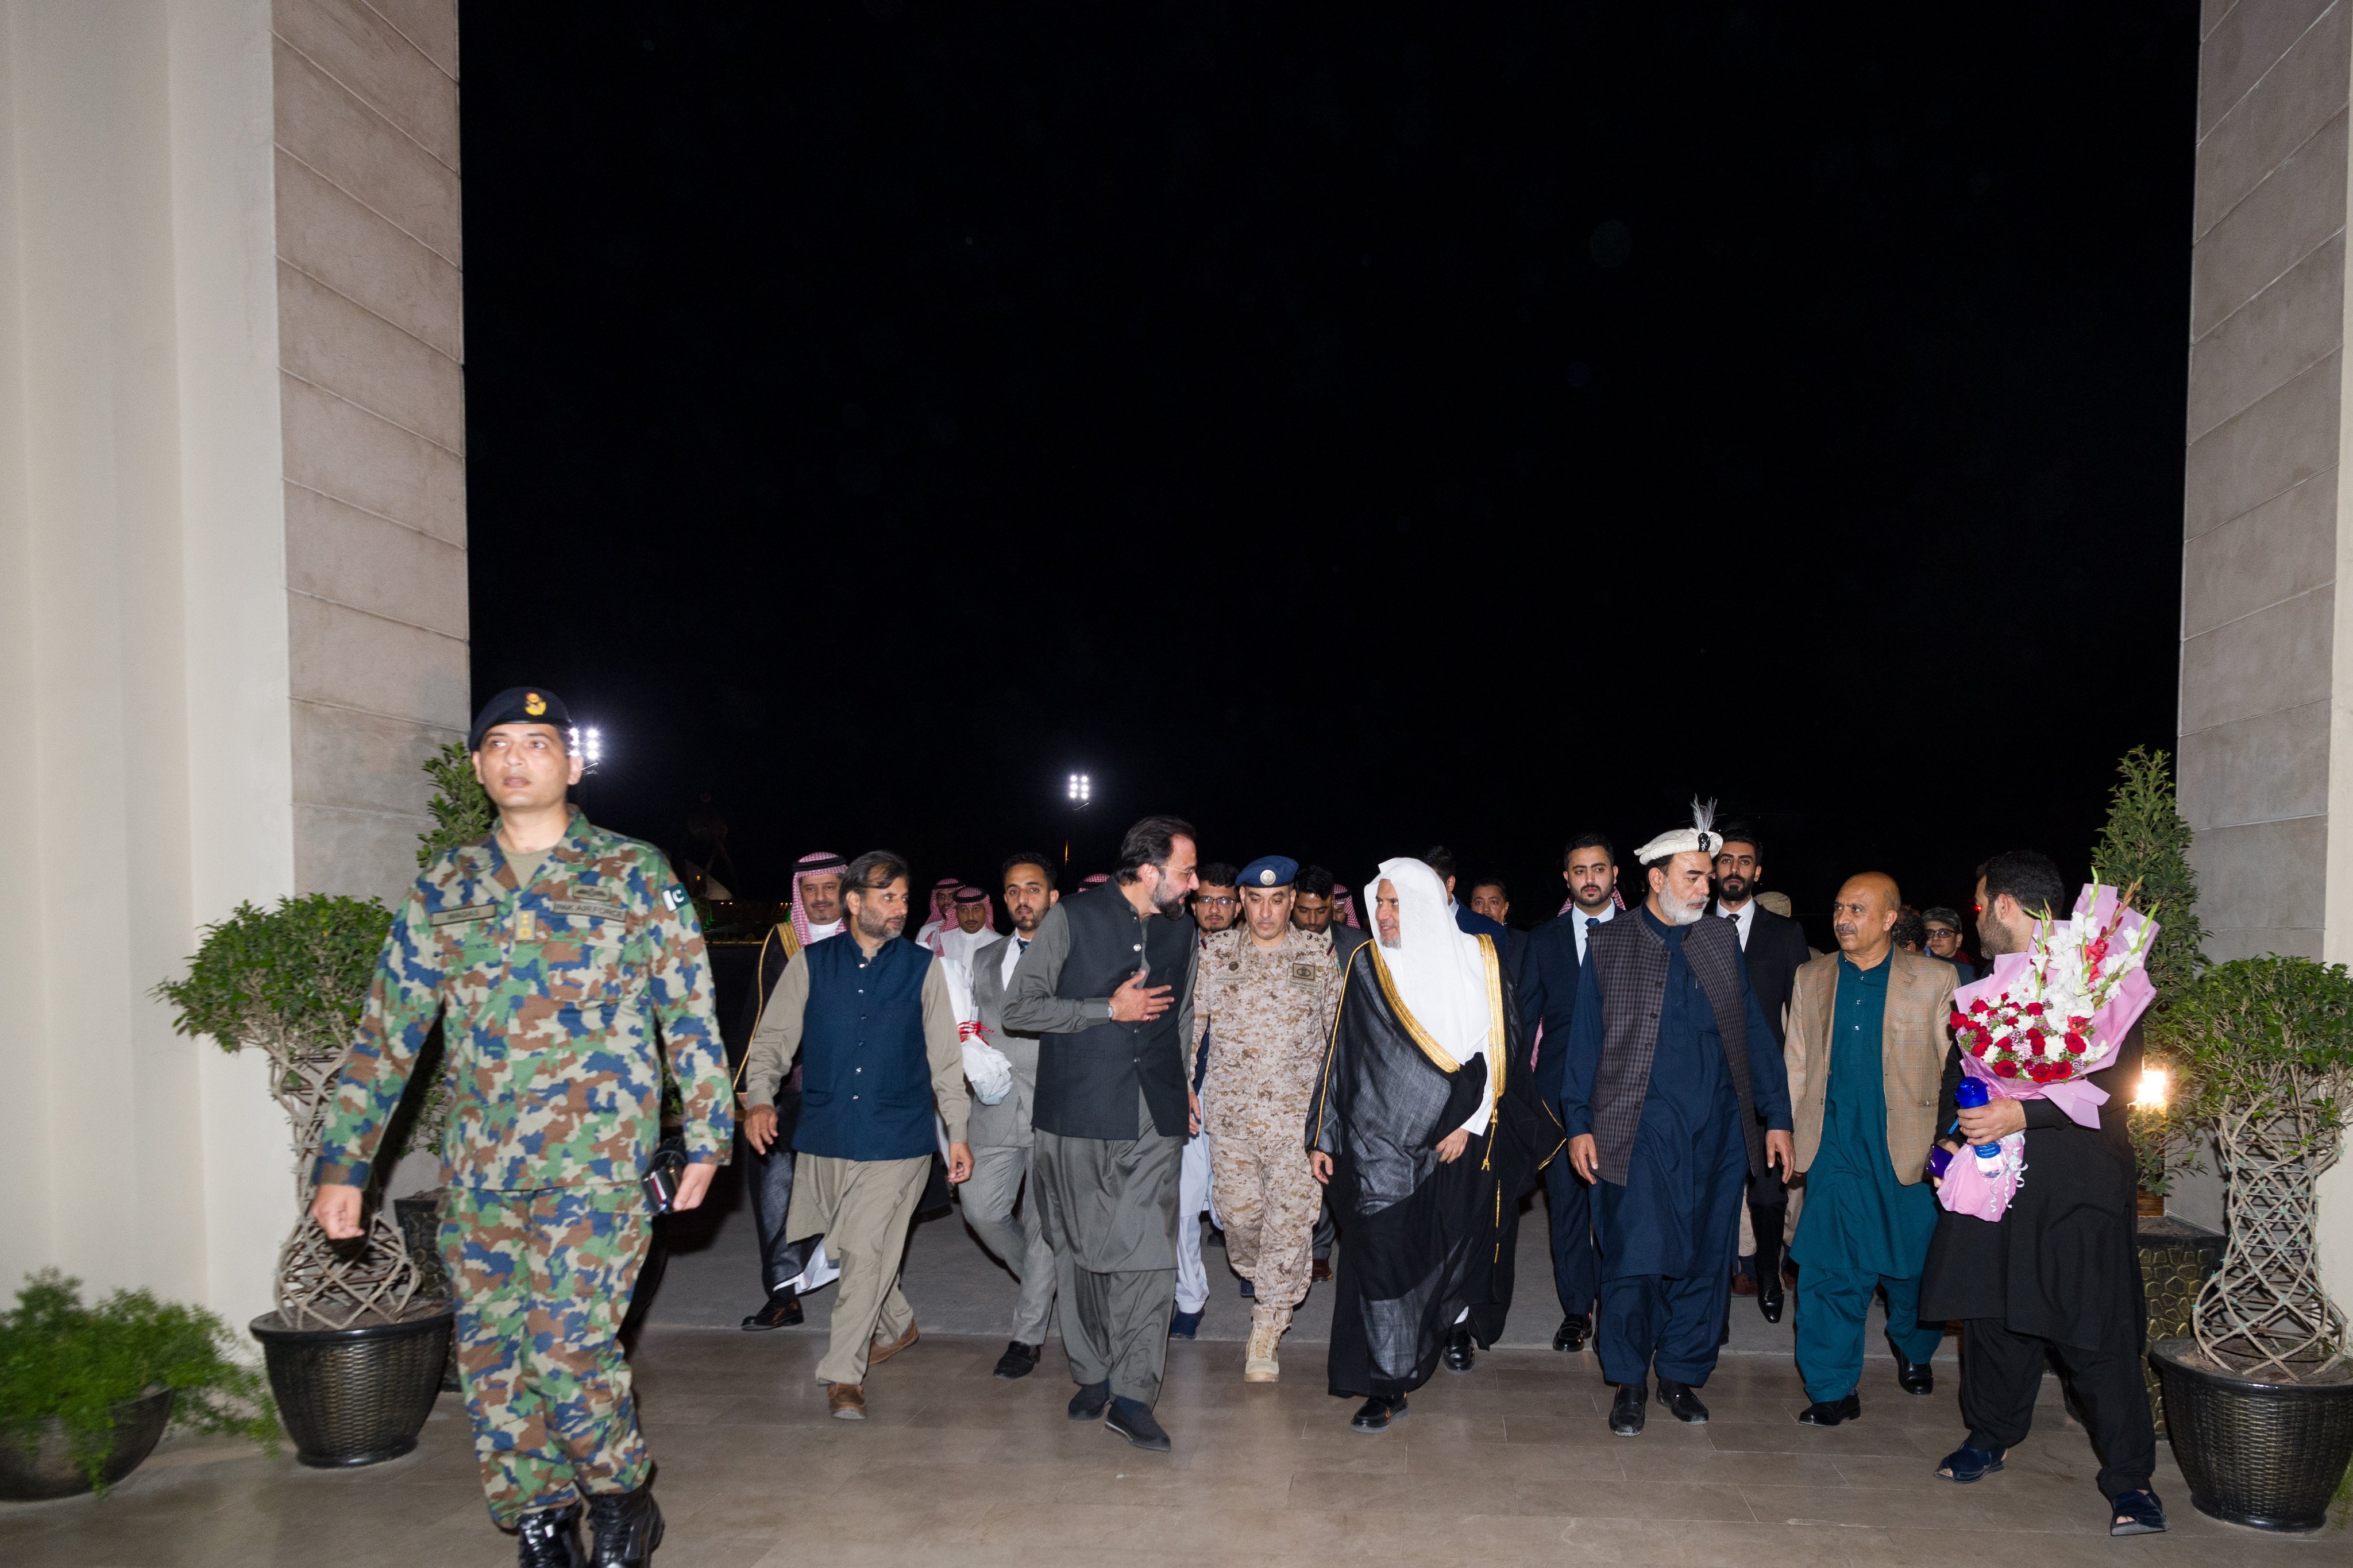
2145	845
2259	1400
354	1350
85	1392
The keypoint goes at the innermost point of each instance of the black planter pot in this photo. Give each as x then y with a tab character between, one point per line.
2262	1454
358	1396
46	1469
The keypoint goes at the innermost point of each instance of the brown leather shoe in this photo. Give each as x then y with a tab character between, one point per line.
846	1401
878	1353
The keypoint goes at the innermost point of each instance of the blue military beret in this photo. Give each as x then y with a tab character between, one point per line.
1270	871
520	705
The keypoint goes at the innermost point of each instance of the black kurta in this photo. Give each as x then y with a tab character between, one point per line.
1419	1240
2064	1263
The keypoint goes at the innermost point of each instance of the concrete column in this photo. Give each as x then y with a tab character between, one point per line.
211	338
2266	716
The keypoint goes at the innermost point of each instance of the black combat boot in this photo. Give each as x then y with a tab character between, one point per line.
628	1526
550	1539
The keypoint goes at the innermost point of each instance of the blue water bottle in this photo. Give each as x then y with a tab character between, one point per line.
1971	1094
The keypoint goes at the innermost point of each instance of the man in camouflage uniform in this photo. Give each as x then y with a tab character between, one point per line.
550	953
1268	989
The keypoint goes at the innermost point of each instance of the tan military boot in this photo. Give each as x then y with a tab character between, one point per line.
1259	1365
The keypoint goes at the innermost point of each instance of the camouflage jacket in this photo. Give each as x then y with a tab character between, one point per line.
1266	1013
549	996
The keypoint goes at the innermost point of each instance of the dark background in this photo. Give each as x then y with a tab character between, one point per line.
1346	428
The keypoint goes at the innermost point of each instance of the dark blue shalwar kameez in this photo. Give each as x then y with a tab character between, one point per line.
1670	1235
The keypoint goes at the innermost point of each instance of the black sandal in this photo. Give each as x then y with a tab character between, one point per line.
2135	1513
1965	1463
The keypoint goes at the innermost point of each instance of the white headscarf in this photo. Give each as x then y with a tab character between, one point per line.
1437	970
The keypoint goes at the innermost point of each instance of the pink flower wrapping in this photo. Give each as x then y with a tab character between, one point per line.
2042	1022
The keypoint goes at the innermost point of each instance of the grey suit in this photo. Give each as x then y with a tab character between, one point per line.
1001	1141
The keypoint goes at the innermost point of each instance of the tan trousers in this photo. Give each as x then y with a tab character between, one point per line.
862	1208
1267	1198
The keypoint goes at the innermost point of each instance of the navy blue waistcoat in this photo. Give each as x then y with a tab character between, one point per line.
866	1080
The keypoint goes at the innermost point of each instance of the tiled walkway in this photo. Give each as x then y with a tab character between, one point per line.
1511	1463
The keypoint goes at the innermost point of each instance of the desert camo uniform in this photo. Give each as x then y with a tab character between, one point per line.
1271	1010
550	987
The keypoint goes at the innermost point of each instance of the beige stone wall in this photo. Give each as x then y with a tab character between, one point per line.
2266	718
371	350
232	570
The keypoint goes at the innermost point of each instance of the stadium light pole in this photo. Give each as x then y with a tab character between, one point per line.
1076	794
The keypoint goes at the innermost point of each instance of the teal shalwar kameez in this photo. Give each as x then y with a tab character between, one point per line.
1862	1230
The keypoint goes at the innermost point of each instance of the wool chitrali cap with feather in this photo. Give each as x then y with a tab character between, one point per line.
1700	838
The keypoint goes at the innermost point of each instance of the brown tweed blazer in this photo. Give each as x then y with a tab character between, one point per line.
1913	1044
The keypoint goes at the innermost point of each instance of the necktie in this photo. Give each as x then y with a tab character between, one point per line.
1022	942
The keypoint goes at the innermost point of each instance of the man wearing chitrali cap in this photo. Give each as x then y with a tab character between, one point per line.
549	952
1264	1001
1674	1094
787	1267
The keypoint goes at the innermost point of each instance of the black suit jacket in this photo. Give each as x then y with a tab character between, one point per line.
1547	982
1777	950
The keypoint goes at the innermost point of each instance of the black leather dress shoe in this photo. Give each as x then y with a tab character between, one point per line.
1830	1412
1089	1402
1376	1413
1913	1376
1019	1360
1630	1409
628	1526
782	1311
1131	1419
1459	1355
1574	1331
1683	1403
1770	1298
550	1539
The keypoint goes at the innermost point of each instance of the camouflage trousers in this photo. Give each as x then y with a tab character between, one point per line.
1267	1199
543	1280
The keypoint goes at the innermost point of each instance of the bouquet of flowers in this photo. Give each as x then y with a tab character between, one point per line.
2042	1023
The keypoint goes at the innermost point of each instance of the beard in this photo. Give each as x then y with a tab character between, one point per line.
879	927
1600	900
1732	889
1679	913
1168	900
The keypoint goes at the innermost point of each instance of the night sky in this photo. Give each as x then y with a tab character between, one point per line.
1348	427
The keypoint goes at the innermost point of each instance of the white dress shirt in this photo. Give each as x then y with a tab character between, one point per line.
1743	917
1585	924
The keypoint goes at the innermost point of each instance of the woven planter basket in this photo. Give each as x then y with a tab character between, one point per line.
2263	1453
358	1396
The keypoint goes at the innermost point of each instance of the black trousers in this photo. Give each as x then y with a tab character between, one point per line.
2001	1372
1575	1260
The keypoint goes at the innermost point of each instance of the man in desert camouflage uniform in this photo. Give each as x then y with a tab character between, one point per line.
1268	989
550	953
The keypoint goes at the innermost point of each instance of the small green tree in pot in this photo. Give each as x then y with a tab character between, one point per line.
2258	1403
2145	844
354	1353
86	1392
289	981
